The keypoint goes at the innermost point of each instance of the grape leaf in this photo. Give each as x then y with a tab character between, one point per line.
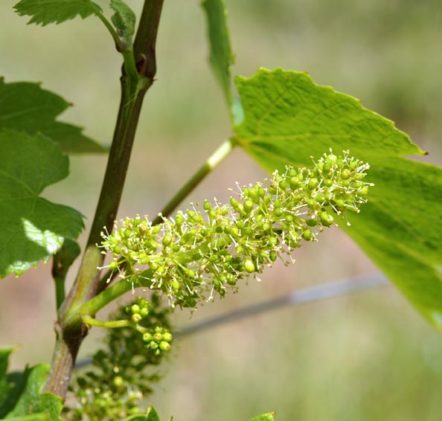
124	20
32	227
5	386
288	118
31	400
25	106
221	55
21	397
44	12
4	360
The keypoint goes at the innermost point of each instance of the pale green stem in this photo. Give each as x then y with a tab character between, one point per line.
131	69
110	28
91	307
212	162
125	50
109	324
141	329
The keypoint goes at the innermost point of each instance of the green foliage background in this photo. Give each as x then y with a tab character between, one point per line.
366	357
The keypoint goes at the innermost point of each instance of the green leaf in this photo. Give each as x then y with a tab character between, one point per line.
25	106
44	12
21	397
4	360
4	384
30	400
151	415
124	20
32	227
221	55
288	118
269	416
34	405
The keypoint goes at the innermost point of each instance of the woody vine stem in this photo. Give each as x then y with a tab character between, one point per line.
70	330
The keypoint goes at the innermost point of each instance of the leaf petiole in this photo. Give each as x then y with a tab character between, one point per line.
109	324
222	152
119	45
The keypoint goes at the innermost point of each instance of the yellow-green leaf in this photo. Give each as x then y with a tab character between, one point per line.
124	20
288	118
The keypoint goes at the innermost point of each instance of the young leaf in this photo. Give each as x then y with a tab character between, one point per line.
25	106
151	415
221	55
269	416
124	20
32	227
21	397
288	118
44	12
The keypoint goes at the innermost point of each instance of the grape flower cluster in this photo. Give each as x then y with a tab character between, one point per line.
123	372
157	339
200	253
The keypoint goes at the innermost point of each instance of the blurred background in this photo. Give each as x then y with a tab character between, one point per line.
363	357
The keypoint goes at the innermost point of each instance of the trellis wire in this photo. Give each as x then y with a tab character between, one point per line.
320	292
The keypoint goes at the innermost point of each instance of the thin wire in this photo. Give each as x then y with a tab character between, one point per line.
315	293
306	295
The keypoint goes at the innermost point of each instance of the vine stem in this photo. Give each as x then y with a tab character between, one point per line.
59	291
211	163
61	262
70	330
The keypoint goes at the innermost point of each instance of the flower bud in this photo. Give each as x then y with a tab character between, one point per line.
136	318
249	266
307	235
147	337
164	346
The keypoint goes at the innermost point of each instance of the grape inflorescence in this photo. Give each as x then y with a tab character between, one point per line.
204	252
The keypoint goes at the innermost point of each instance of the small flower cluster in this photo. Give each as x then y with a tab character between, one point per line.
138	310
200	253
157	339
122	373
